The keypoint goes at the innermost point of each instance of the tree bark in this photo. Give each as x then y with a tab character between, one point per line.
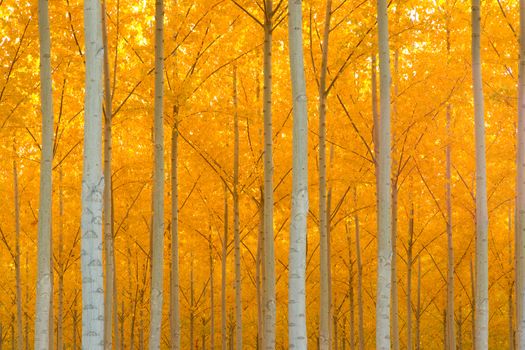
236	228
384	277
297	334
158	186
92	185
482	297
325	307
44	281
360	306
109	263
520	190
19	328
174	283
269	258
60	315
409	277
223	272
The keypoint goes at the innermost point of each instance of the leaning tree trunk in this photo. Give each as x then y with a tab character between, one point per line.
19	328
482	297
109	267
384	252
520	190
297	338
158	185
174	283
236	228
269	255
92	185
324	317
44	281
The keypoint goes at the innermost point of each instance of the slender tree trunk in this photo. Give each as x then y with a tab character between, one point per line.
360	313
258	274
174	283
418	306
520	190
269	258
451	334
482	297
297	334
60	316
236	228
350	291
192	306
158	185
511	284
223	272
394	288
473	304
19	328
409	277
325	309
212	296
384	210
92	185
109	267
44	281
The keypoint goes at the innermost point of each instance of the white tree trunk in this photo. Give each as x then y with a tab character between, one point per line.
297	336
384	253
236	228
109	266
325	307
92	185
482	297
158	186
520	190
44	279
174	283
269	256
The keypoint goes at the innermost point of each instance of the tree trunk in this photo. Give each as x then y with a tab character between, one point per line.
482	297
520	190
359	284
451	334
212	296
19	328
258	273
269	258
158	185
44	281
109	264
418	306
236	228
325	309
92	185
223	272
60	316
297	338
174	283
409	277
384	209
394	288
350	291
